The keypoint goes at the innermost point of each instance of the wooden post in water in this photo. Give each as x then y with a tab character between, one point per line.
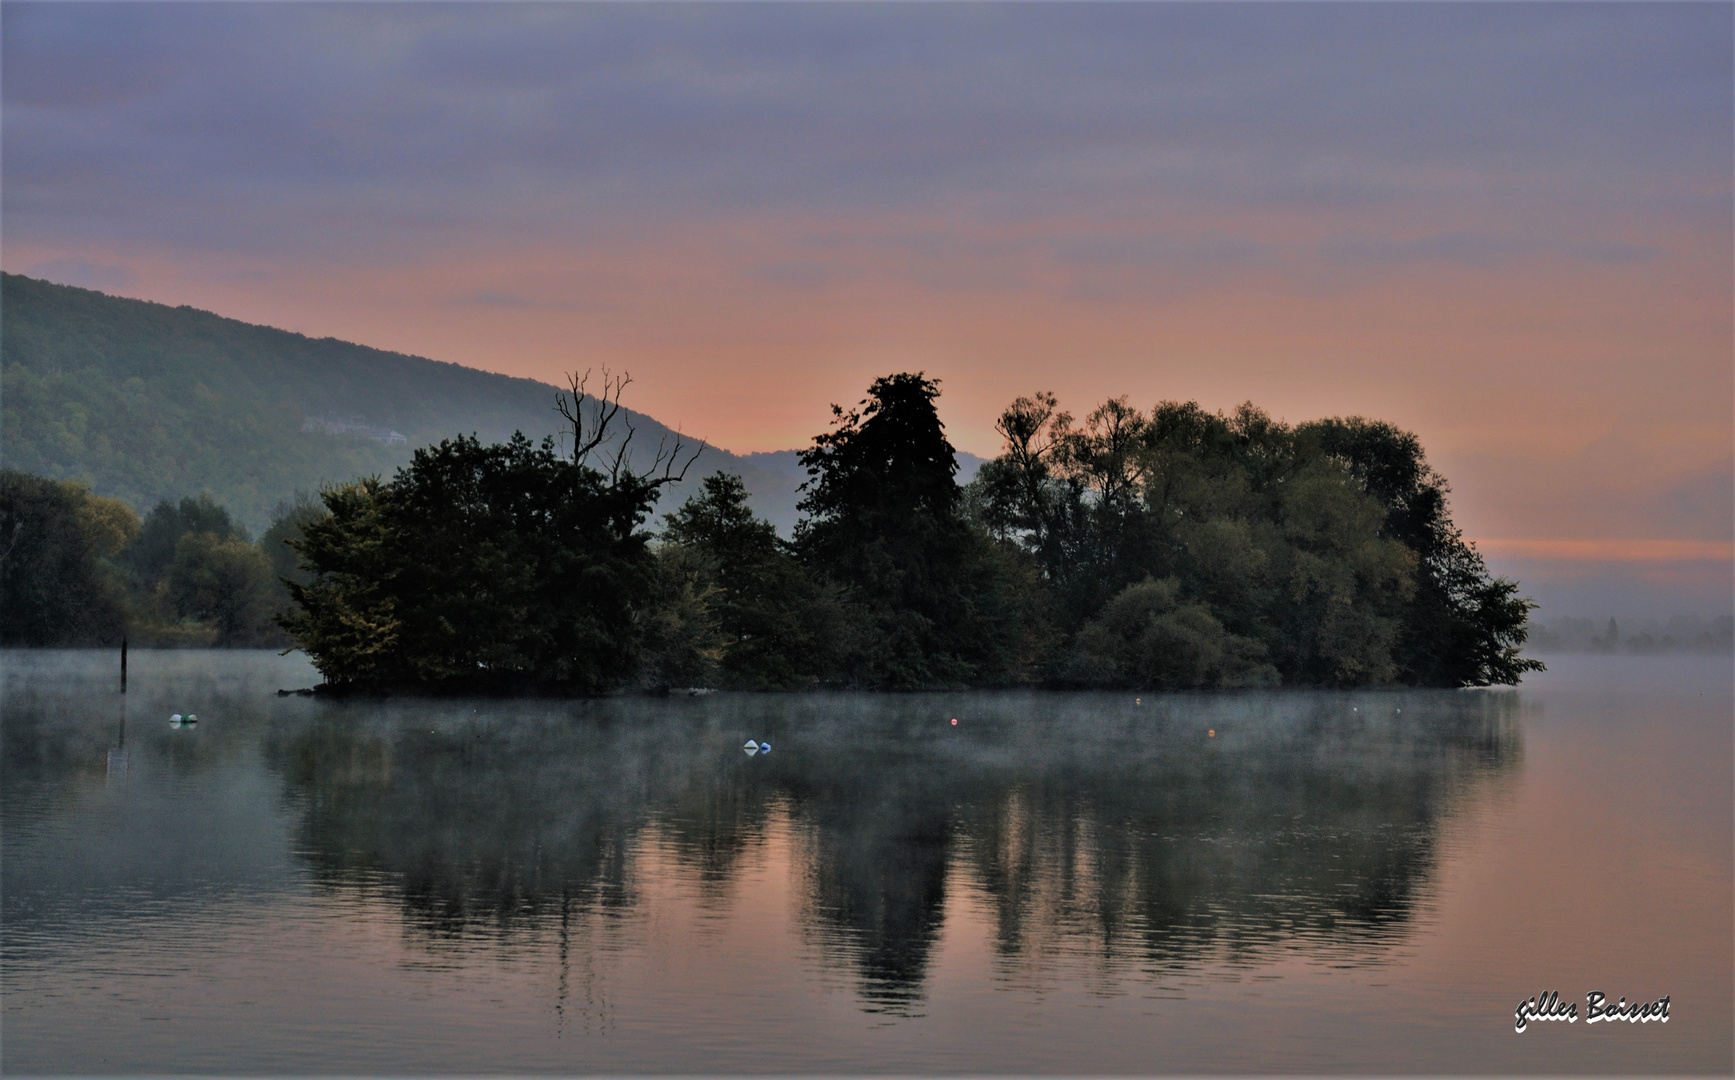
123	665
117	755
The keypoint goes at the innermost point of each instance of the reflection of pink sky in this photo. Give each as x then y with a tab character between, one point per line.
1599	859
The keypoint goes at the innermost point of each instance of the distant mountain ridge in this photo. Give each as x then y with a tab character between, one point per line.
145	401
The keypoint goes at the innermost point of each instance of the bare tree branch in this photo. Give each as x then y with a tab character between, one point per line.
608	403
666	465
620	454
667	461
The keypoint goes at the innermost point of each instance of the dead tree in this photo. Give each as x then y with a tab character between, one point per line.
667	466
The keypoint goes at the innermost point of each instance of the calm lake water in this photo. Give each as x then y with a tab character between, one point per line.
1059	883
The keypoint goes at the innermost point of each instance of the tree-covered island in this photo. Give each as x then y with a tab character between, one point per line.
1171	549
1174	549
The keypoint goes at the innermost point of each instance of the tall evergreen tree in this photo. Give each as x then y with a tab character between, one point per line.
932	603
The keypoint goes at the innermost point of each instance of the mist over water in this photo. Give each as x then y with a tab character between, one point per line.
1057	883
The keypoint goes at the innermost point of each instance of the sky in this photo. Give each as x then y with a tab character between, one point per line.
1507	228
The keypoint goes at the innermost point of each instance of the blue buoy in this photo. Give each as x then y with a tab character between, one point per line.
765	748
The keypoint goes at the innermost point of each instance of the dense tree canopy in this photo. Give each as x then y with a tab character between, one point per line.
1462	627
162	530
1168	549
224	584
487	566
1324	549
931	601
57	583
778	627
80	569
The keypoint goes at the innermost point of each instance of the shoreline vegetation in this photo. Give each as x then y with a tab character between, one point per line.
1169	549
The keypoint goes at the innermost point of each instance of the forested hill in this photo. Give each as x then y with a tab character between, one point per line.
145	402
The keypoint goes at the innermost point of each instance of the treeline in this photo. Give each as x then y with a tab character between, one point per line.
1646	637
1169	549
83	569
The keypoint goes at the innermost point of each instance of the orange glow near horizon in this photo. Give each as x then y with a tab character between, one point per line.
1505	229
1531	384
1637	551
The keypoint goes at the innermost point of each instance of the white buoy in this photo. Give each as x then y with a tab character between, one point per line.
751	747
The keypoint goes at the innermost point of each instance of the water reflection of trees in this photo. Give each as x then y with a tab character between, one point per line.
879	834
1090	827
475	825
